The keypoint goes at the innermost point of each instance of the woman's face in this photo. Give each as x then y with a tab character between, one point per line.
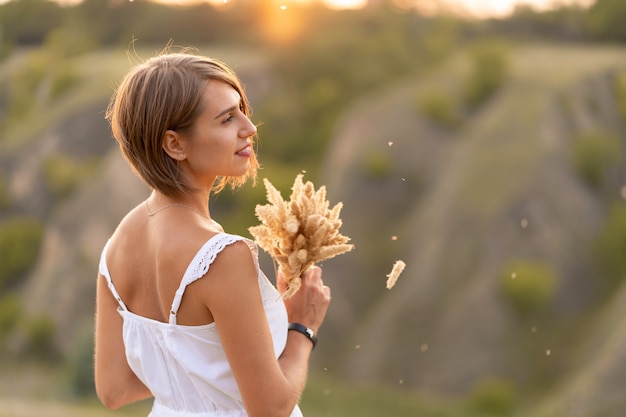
221	140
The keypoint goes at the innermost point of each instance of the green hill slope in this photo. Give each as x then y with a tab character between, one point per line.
458	205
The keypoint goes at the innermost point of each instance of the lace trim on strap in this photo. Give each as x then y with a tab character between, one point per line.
104	270
200	264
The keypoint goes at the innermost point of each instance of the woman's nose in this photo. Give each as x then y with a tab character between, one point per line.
249	129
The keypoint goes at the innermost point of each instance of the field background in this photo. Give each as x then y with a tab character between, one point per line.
487	154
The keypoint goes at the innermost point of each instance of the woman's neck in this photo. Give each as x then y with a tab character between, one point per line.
197	202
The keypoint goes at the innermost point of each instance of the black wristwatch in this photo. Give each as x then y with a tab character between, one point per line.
301	328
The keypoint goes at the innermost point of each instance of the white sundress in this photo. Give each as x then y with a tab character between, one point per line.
185	367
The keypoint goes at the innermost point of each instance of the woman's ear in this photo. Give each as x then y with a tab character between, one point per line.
174	145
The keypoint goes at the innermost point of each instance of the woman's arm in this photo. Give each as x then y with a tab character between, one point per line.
116	383
269	387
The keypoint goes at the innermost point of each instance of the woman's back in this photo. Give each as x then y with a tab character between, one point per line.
184	366
148	257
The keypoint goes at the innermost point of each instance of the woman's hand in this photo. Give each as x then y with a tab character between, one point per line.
309	304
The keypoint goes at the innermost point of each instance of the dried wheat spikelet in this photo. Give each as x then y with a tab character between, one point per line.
392	277
300	232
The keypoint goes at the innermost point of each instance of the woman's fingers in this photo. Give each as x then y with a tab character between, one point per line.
309	304
281	285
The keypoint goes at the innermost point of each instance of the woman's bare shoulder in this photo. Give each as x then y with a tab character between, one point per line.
167	238
128	230
233	259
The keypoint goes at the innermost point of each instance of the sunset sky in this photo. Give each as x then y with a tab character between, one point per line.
479	8
474	7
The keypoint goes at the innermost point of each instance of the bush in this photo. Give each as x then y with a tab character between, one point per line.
40	332
44	75
620	93
439	108
593	154
5	49
490	67
605	20
64	42
62	174
20	240
10	313
528	286
5	195
81	366
64	78
24	85
610	245
377	165
493	397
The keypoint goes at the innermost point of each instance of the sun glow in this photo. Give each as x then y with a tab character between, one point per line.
345	4
331	4
475	8
281	22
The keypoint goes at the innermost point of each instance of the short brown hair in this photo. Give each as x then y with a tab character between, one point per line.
164	93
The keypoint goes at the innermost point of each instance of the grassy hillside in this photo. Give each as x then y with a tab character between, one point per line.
468	193
459	203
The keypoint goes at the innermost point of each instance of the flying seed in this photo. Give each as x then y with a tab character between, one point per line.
392	277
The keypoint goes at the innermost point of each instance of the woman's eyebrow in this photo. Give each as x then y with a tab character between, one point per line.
223	112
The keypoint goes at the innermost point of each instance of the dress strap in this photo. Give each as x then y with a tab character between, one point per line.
104	270
199	265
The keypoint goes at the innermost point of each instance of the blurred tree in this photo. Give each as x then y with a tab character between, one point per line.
63	174
493	397
40	331
5	193
63	42
606	20
440	107
22	87
20	240
620	93
10	314
347	55
594	154
81	364
490	69
529	286
27	22
610	247
566	22
106	21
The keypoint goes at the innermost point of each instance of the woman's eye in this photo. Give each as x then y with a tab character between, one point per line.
228	119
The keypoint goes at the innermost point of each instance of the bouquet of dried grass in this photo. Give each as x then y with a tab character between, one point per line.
300	232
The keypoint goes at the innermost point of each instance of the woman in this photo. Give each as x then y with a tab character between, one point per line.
183	312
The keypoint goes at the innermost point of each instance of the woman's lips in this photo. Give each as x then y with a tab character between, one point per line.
247	151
